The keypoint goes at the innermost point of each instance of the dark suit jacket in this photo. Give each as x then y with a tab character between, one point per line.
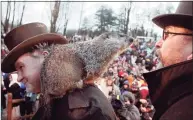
171	91
88	103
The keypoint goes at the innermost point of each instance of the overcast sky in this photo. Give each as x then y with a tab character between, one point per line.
39	11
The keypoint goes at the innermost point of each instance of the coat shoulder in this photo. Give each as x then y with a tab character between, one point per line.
181	110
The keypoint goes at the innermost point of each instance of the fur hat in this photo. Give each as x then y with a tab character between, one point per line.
127	96
126	82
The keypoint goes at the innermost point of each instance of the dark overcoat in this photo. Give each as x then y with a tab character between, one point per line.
171	91
88	103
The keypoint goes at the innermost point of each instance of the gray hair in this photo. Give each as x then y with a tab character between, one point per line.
44	46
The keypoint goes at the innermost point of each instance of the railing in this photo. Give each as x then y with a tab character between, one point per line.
10	107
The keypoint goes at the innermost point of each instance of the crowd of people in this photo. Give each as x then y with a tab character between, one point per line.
124	81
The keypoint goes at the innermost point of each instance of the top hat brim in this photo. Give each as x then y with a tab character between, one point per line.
8	62
181	20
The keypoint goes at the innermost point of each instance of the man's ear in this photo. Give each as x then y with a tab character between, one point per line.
45	53
189	57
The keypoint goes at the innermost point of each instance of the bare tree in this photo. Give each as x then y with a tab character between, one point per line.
5	24
124	17
128	9
54	16
13	15
80	16
66	17
8	22
59	16
21	18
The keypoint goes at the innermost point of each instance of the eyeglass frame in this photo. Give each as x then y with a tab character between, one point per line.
164	38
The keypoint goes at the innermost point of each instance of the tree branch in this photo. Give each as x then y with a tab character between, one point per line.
22	14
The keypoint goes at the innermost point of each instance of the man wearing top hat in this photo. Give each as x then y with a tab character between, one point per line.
62	73
171	87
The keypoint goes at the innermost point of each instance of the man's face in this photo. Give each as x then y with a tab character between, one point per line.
109	82
174	48
28	68
125	75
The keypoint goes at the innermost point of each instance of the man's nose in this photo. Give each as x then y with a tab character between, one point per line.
159	43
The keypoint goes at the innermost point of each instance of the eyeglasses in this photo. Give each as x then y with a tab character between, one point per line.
166	34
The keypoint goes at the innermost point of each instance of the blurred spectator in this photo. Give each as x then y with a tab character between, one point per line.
112	88
128	111
125	87
147	110
6	81
129	78
143	91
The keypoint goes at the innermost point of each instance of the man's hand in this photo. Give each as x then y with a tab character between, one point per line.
143	109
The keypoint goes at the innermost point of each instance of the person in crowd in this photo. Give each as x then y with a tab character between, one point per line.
114	94
140	80
112	88
63	73
143	91
170	87
6	81
129	78
149	64
135	90
128	57
146	109
121	77
110	71
15	90
128	110
125	87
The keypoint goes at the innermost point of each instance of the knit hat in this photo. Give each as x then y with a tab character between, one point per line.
143	91
126	82
120	73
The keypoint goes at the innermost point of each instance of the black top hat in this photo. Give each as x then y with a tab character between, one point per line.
182	17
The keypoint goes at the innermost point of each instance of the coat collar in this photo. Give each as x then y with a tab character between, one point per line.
161	79
77	99
81	98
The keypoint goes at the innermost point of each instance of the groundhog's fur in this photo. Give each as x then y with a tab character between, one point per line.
69	65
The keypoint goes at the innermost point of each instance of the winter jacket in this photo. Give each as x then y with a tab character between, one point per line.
171	91
130	113
81	104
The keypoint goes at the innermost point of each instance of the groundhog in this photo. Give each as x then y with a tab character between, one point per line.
69	66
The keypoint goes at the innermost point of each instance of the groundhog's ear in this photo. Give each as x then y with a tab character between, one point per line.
98	53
